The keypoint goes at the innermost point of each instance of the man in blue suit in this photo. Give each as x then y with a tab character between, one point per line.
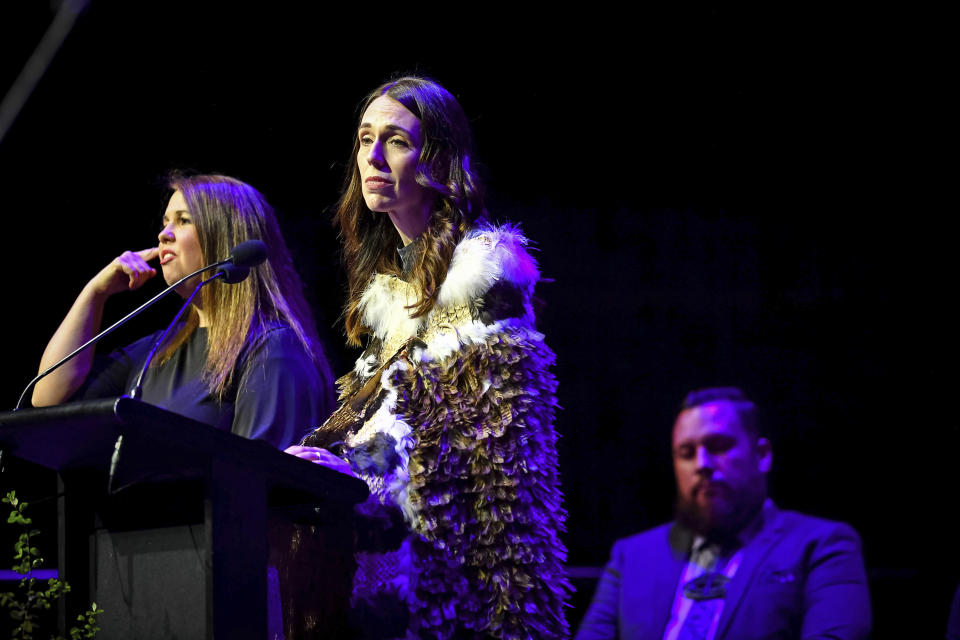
732	566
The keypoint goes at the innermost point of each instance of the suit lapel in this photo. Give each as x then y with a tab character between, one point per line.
667	575
754	554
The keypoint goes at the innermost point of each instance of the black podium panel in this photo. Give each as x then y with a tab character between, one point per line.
163	521
152	583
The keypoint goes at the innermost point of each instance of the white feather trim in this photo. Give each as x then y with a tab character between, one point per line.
383	308
481	259
446	344
385	421
365	367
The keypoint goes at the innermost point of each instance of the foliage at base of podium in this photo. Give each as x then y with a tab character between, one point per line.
31	598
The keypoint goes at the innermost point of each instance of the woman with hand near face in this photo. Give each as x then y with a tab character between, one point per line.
448	414
246	359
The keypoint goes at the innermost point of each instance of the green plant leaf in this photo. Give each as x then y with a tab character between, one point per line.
30	598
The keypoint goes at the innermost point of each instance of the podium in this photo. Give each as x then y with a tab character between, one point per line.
166	523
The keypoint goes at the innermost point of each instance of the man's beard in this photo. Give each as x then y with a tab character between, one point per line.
722	520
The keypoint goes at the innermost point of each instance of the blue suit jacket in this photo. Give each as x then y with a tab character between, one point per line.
801	577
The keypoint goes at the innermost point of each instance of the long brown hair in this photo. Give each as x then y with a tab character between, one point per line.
370	240
227	212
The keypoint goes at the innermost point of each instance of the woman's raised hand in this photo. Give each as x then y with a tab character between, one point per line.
127	272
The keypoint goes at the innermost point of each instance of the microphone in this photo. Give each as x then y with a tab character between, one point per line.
248	254
232	273
244	255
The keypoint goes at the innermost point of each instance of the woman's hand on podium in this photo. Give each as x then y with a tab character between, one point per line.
320	456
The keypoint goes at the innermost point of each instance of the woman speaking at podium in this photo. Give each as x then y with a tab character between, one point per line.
246	359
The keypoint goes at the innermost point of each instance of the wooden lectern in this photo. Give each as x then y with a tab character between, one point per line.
166	523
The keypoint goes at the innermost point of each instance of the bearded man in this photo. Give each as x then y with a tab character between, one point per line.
732	566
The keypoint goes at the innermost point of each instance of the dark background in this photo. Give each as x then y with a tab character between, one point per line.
717	197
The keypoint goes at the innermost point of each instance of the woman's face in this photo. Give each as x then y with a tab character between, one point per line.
390	144
180	252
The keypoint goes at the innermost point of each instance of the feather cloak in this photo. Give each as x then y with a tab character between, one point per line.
458	435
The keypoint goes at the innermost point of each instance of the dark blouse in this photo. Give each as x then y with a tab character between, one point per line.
277	393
